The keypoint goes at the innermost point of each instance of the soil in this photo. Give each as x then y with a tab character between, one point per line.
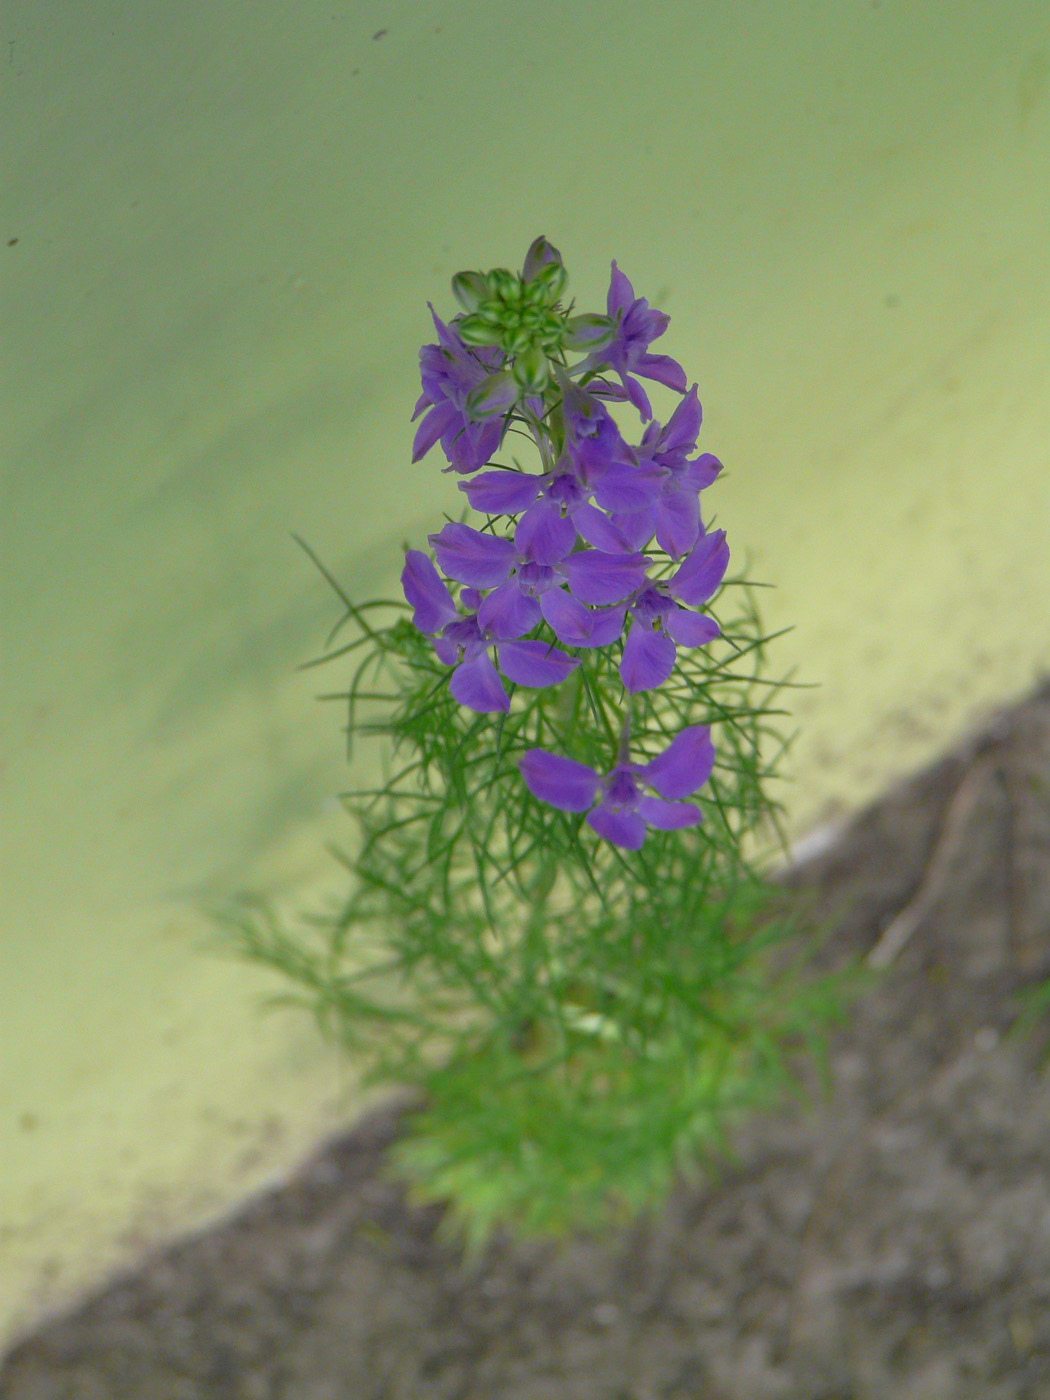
891	1238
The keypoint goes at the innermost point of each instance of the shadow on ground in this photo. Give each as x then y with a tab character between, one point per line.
892	1239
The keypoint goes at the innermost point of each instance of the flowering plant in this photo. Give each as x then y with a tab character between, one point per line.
553	929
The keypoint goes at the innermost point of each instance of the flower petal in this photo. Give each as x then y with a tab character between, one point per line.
669	816
469	446
447	650
437	422
597	577
562	782
544	535
597	529
702	470
534	663
502	493
426	593
623	488
625	829
472	557
684	765
637	396
677	519
621	294
507	612
663	369
606	627
691	629
648	658
477	685
569	620
683	428
636	529
702	570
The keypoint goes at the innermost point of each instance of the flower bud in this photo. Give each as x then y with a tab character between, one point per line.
531	370
551	329
553	279
540	253
589	332
503	284
474	330
491	311
493	395
470	289
516	339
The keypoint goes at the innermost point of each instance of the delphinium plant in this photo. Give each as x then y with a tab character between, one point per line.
554	929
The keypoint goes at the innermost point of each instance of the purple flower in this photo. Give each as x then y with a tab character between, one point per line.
545	533
465	641
524	587
659	625
595	444
702	570
628	353
450	371
671	509
621	809
557	507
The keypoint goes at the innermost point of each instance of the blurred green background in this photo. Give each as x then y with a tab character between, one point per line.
219	228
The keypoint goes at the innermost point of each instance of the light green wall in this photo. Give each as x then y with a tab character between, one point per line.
229	218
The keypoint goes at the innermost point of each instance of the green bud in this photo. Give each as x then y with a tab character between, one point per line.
531	370
516	339
502	284
494	395
470	289
589	332
491	312
475	330
553	279
540	253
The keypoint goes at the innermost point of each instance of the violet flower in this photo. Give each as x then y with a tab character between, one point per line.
450	371
671	509
595	443
620	806
659	625
464	641
528	587
628	352
556	507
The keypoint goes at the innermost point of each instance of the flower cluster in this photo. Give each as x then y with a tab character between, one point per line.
570	571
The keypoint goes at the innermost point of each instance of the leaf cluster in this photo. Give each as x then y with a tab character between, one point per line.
583	1021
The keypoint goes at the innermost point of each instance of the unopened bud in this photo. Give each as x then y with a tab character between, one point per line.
516	340
531	370
493	395
553	279
540	253
503	284
470	289
589	332
474	330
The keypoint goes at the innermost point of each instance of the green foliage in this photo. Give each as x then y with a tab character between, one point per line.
582	1021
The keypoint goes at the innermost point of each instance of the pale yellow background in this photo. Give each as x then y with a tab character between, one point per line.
229	218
